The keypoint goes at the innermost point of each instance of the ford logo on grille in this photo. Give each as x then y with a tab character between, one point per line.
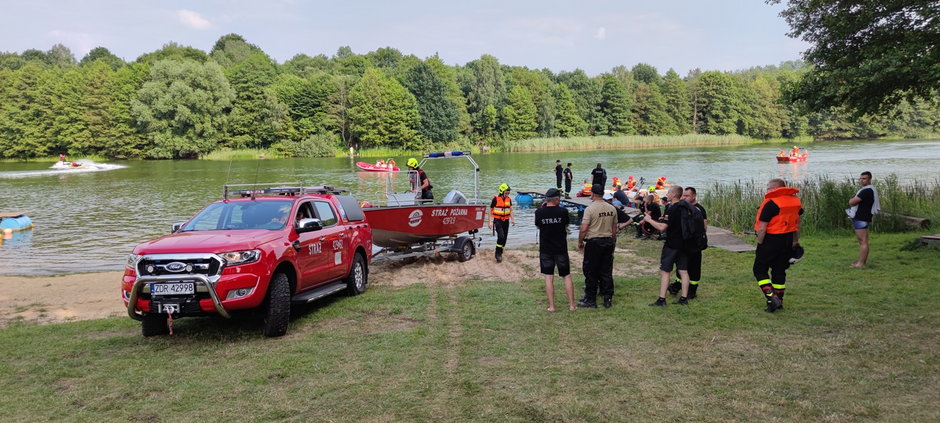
175	266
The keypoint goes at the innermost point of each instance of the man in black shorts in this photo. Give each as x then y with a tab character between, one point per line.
695	256
674	251
558	171
552	222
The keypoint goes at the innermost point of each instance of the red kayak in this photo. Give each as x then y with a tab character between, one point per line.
369	167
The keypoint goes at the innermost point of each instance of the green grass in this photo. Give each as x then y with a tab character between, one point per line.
852	345
241	154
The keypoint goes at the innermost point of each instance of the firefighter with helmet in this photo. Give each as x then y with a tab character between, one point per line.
500	218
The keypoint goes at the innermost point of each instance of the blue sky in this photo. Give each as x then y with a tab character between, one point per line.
594	35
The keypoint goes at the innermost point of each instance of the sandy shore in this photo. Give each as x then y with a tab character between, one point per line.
53	299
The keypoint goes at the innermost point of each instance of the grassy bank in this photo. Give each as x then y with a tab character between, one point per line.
852	345
733	205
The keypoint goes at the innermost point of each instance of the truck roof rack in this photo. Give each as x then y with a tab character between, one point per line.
277	188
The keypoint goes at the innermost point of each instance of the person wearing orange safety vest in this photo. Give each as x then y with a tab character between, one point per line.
778	234
586	189
500	218
631	183
661	183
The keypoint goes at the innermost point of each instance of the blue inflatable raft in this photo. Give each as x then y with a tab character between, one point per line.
17	221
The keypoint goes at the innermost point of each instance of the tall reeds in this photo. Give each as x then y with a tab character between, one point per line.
734	205
624	142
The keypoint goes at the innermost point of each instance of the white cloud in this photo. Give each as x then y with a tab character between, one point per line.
548	31
193	19
601	33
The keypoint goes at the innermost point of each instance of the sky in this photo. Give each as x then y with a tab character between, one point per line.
592	35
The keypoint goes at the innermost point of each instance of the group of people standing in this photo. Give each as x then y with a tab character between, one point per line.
776	225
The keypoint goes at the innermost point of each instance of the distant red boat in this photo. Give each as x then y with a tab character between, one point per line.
792	159
369	167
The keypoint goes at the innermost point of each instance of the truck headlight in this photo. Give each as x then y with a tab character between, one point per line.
132	260
235	258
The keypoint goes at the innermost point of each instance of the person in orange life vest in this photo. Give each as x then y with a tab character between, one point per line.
795	152
390	163
586	190
782	153
778	233
380	163
61	157
631	183
661	183
500	218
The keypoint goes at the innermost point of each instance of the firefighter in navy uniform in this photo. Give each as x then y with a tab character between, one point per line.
778	234
500	218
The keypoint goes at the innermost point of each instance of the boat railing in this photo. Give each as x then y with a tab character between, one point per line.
411	198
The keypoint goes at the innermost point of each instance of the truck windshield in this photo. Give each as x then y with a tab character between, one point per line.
271	215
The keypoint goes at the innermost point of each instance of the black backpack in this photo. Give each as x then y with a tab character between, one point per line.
693	227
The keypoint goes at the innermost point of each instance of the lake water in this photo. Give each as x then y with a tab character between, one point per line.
89	221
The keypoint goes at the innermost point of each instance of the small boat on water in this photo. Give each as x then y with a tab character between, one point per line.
796	155
15	221
407	225
63	165
369	167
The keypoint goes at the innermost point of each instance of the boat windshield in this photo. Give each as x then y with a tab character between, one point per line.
271	215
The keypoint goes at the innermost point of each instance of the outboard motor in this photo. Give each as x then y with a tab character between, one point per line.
455	197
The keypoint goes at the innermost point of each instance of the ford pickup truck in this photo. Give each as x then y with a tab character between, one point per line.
256	249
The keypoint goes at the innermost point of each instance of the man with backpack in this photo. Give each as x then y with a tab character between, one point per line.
679	240
695	252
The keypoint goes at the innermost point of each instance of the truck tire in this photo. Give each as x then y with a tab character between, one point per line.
277	312
466	251
153	325
358	276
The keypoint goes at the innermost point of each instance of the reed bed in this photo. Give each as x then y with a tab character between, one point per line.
624	142
734	205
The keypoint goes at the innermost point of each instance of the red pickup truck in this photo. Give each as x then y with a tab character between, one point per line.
257	248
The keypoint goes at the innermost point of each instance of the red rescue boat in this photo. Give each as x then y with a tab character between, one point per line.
407	226
397	226
797	155
369	167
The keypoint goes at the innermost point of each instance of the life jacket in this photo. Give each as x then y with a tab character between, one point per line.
789	217
503	207
631	183
586	192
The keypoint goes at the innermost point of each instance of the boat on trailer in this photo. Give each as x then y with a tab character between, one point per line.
408	226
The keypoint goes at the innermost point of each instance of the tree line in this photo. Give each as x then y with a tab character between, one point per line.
181	102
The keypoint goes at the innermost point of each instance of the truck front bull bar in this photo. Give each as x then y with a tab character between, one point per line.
199	279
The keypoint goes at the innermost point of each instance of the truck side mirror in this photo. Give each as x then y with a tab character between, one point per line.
308	225
176	227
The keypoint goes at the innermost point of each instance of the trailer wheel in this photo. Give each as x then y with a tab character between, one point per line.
153	325
277	312
358	276
466	251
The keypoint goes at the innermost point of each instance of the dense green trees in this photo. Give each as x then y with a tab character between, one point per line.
181	102
182	107
867	55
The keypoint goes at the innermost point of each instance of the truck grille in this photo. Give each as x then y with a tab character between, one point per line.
209	265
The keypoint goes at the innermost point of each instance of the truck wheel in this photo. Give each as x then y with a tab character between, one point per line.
358	276
277	313
466	251
153	325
